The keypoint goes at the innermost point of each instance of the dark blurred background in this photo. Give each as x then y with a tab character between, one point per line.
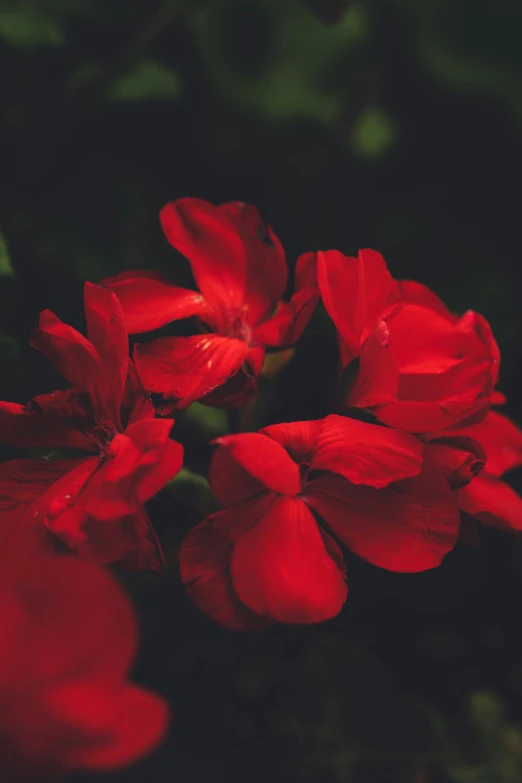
393	124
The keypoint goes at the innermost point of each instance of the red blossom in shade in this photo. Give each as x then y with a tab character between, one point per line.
488	498
68	639
240	269
93	503
265	558
420	368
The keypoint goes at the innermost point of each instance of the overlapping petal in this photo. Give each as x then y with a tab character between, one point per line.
282	570
150	302
501	440
357	293
237	262
205	558
408	526
184	369
261	457
363	453
492	502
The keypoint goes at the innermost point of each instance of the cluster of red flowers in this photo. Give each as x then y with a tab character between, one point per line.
394	488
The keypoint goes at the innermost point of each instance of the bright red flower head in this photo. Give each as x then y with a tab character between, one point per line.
265	558
420	368
240	269
68	638
95	503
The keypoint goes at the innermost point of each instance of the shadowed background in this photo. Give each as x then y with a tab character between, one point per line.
391	124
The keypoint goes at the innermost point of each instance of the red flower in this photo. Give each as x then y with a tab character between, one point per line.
240	269
68	639
94	504
265	558
420	368
487	498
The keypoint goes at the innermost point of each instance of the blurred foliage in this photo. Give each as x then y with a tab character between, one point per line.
394	124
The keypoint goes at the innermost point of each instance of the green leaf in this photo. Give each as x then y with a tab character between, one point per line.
208	421
9	349
290	66
148	80
373	134
6	269
24	26
193	490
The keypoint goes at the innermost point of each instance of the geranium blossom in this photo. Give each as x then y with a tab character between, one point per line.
68	639
93	503
266	558
414	364
240	269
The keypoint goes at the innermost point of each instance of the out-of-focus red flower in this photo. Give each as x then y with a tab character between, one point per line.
68	638
488	498
420	368
240	269
94	504
265	558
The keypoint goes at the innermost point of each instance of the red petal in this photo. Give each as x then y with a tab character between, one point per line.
266	270
297	437
408	526
264	459
282	570
366	453
363	453
378	375
502	441
150	302
74	357
230	482
140	723
23	481
357	293
204	560
236	261
291	318
106	331
77	621
25	427
492	502
184	369
460	458
419	294
162	458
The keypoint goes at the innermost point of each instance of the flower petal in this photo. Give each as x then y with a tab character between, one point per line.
282	570
492	502
501	439
75	358
149	302
140	722
377	380
28	426
357	293
264	459
266	270
419	294
204	560
184	369
299	438
162	458
290	319
106	331
408	526
24	481
460	458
